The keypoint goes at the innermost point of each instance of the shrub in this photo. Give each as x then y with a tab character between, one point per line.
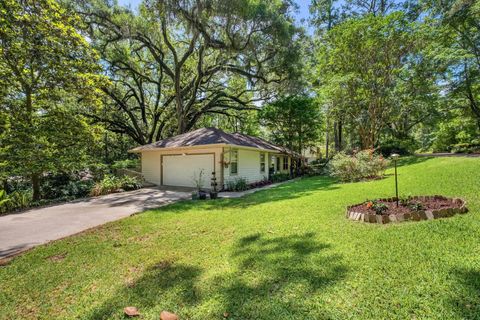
98	171
279	177
14	201
472	147
62	186
125	164
237	184
130	183
362	165
111	184
401	147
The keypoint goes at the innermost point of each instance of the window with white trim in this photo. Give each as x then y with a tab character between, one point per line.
233	162
285	163
262	162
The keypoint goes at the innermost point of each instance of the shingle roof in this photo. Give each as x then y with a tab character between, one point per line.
206	136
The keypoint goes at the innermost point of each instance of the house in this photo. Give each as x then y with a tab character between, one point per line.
178	161
312	154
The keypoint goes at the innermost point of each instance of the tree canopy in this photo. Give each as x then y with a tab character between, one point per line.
174	62
46	63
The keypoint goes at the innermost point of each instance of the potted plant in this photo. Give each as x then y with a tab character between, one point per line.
194	195
213	190
198	180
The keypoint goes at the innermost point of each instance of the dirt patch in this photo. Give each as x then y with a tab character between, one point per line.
57	257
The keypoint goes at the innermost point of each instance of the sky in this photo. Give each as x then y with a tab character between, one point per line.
302	12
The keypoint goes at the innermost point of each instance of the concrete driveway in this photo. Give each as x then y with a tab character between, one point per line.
19	232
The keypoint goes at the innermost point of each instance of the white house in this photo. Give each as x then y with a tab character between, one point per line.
176	161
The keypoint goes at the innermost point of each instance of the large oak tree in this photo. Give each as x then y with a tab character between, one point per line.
174	62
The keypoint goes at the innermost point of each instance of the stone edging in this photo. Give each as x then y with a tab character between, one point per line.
412	215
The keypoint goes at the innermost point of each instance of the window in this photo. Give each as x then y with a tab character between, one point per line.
262	162
278	163
285	163
233	161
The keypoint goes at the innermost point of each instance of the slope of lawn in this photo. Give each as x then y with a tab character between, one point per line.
284	253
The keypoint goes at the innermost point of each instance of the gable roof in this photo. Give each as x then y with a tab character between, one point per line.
206	136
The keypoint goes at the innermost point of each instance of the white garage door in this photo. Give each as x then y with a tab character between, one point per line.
181	170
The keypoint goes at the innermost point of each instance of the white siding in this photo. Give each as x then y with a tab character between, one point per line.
248	166
151	167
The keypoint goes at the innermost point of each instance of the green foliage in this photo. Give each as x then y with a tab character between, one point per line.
111	184
175	64
454	130
411	204
65	186
279	177
237	184
377	206
402	147
49	68
16	200
126	164
293	122
375	92
472	147
359	166
3	198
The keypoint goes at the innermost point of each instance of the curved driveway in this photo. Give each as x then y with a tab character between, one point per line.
21	231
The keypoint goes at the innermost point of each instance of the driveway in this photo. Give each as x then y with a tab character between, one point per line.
19	232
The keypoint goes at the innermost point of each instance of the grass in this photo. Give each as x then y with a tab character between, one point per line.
284	253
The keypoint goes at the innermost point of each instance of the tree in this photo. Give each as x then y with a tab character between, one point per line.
293	121
46	63
458	46
360	67
175	62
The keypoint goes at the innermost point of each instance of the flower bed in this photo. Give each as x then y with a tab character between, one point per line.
413	208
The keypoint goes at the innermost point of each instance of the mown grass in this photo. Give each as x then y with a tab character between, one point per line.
284	253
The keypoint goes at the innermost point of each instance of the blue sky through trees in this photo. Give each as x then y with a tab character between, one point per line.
301	13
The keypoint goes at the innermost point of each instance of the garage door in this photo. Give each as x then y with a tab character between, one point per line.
180	170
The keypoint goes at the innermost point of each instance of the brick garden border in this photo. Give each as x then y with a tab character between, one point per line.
412	215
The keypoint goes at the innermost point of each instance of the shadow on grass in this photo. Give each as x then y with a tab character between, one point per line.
409	160
276	275
159	282
467	303
270	278
287	191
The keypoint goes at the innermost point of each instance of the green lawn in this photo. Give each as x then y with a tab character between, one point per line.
284	253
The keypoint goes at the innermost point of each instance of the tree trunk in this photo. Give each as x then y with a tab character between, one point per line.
36	186
335	135
327	139
337	131
340	135
182	122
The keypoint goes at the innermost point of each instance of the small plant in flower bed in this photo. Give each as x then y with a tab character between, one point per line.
377	206
237	184
279	177
413	205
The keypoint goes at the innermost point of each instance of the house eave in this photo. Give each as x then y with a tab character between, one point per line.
203	146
